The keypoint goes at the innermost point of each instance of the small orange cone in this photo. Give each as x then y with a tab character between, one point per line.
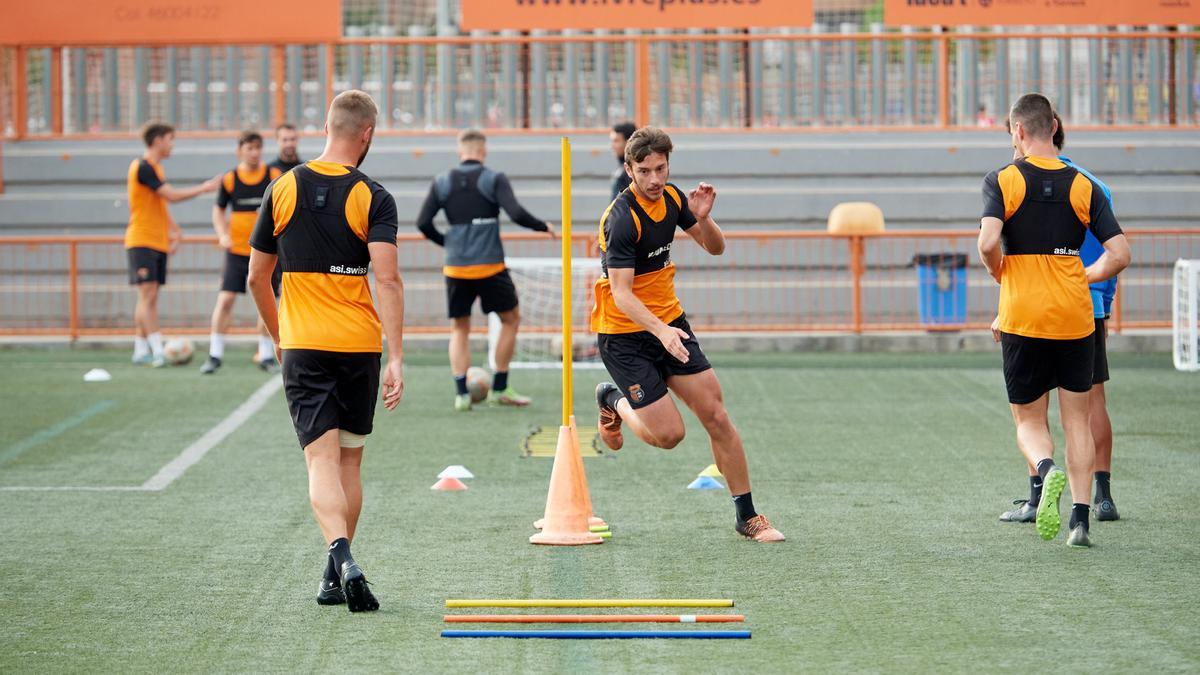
566	519
593	520
449	484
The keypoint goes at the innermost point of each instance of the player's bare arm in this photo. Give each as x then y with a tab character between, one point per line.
174	194
220	223
706	232
262	266
389	288
989	245
621	282
1113	261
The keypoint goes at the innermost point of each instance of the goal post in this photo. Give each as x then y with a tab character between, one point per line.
1185	319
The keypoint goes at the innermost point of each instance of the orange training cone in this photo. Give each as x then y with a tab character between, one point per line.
593	520
566	519
449	484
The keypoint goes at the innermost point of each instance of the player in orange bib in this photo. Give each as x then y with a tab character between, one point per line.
242	193
645	341
1036	213
152	235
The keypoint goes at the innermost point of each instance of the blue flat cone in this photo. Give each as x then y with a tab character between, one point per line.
706	483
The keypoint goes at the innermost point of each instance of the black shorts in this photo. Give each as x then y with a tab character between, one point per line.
496	294
640	365
330	390
1100	369
1034	366
146	265
237	270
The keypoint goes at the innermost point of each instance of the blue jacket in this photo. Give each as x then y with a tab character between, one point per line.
1102	291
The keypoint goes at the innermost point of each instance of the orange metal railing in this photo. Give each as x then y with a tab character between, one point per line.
76	286
516	84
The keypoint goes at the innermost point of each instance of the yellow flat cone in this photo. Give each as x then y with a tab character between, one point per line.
711	471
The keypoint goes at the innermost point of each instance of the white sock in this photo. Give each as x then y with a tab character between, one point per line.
266	348
140	347
155	340
216	346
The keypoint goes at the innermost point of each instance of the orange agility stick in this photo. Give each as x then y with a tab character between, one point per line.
594	618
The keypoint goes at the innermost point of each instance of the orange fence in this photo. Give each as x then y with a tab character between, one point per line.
766	281
702	80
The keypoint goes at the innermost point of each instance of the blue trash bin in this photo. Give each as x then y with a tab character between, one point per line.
942	281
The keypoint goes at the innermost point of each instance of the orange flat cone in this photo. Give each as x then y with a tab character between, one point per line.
566	517
449	484
593	519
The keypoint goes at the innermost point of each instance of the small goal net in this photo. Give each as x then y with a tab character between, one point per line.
539	287
1185	331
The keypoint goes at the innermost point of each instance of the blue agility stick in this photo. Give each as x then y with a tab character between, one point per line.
601	634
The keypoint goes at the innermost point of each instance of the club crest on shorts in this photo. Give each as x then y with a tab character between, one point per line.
636	393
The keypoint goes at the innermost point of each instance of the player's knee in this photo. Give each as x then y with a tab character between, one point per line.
511	318
669	438
717	420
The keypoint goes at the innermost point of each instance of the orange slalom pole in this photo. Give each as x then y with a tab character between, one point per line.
594	618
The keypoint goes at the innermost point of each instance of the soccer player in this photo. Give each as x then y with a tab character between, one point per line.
1102	293
618	137
242	191
325	222
288	140
152	235
472	195
1035	212
644	338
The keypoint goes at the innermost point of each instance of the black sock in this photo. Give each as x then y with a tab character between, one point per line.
460	384
745	507
331	572
1035	490
500	381
1102	486
612	398
1044	466
1079	514
339	551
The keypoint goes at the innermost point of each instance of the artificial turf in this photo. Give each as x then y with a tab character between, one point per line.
886	472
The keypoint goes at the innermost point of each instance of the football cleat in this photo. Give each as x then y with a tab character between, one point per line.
1105	509
759	529
1079	537
330	593
269	365
1048	521
354	584
509	397
211	365
1023	513
462	402
609	424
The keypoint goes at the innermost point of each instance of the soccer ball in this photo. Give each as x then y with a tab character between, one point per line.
479	383
179	351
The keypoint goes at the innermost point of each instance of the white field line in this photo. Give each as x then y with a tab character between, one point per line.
188	457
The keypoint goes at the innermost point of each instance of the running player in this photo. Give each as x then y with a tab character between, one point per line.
152	235
241	191
288	140
325	223
1103	293
644	338
472	196
1036	210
